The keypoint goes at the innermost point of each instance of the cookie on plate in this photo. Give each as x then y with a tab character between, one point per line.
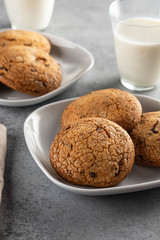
29	70
25	38
116	105
146	138
93	152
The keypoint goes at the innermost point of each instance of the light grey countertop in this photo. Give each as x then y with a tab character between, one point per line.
32	206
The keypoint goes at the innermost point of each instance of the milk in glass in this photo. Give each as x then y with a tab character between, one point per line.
29	14
137	46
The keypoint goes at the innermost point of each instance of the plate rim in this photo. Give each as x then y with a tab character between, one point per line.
47	96
90	191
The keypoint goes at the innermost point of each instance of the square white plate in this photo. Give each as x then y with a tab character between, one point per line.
74	61
43	124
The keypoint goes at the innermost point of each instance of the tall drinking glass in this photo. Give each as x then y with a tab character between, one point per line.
29	14
136	30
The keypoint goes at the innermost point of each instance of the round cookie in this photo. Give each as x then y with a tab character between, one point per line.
114	104
29	70
24	38
94	152
146	138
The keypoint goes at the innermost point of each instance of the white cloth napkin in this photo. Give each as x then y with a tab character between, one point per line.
3	147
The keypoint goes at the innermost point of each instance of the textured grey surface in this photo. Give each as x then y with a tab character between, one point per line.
32	206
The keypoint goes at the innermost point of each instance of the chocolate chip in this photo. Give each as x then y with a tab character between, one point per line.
68	145
67	128
35	91
41	83
28	44
69	172
116	174
89	132
155	131
12	39
41	58
156	127
92	174
4	68
33	70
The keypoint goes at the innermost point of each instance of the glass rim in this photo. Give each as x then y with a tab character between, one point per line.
118	19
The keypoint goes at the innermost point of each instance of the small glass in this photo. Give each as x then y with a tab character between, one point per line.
29	14
136	31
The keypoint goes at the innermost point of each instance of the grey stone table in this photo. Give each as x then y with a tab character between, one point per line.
32	206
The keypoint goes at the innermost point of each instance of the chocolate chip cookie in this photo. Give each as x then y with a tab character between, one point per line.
146	138
93	152
29	70
116	105
24	38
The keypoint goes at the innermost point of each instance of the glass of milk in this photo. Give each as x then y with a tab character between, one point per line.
29	14
136	30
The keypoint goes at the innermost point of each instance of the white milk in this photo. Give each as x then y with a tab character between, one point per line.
29	14
138	51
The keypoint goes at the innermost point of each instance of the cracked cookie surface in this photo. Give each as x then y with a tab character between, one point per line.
24	38
146	138
29	70
114	104
93	152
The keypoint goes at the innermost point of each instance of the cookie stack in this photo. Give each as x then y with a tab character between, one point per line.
103	133
25	63
94	146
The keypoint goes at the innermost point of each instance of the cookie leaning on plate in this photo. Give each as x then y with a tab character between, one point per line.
29	70
24	38
93	152
114	104
146	138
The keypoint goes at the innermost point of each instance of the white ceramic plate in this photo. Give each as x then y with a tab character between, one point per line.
43	124
74	60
